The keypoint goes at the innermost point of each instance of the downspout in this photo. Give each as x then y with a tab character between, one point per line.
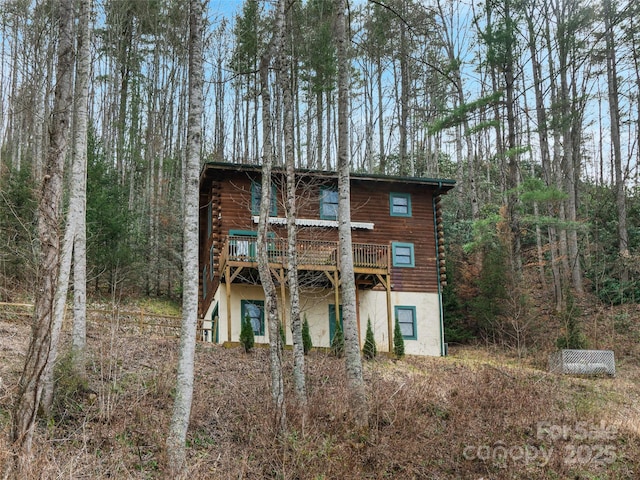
435	232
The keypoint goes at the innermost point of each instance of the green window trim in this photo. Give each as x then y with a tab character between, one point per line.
254	234
403	254
328	203
400	204
406	316
204	282
256	199
243	247
255	310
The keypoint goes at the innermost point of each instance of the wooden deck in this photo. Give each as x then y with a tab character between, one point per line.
314	255
318	261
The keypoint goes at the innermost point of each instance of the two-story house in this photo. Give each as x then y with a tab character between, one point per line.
398	255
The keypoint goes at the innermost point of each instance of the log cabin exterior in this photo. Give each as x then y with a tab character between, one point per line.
397	244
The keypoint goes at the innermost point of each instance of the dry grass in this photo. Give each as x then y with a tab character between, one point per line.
430	418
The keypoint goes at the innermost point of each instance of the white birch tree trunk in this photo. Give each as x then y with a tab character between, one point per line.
79	332
268	286
31	382
285	81
614	116
353	362
76	218
176	439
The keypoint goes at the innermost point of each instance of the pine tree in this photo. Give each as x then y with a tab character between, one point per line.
337	344
306	336
369	350
398	341
247	337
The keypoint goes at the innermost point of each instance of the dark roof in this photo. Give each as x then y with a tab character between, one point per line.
441	183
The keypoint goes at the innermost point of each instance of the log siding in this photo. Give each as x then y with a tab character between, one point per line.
226	207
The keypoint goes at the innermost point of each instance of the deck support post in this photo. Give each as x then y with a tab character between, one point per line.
358	315
227	280
336	286
389	315
284	302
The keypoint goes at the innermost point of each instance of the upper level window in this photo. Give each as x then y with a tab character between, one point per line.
402	254
400	204
328	204
406	317
256	199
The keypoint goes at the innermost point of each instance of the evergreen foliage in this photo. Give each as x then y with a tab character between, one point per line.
307	344
17	223
492	290
247	338
459	114
337	344
283	336
398	341
573	338
369	351
488	303
111	234
455	328
605	268
70	390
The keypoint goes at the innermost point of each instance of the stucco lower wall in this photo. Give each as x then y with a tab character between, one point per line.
315	307
373	304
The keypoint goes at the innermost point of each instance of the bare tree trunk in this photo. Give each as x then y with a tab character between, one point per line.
319	133
328	130
285	78
176	439
79	332
404	167
381	129
449	45
513	165
31	381
77	203
568	167
614	115
541	116
268	286
353	362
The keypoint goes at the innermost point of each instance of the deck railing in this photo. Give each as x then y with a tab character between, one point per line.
311	253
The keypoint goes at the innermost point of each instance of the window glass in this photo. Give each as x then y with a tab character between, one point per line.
402	254
256	199
254	309
328	204
400	204
407	320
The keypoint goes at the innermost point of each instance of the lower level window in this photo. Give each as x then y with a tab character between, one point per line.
254	310
407	319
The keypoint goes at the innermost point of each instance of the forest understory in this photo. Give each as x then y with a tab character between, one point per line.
481	412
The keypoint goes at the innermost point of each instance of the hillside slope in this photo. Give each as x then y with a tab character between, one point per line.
471	415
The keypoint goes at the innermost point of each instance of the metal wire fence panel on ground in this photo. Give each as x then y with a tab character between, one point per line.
583	362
